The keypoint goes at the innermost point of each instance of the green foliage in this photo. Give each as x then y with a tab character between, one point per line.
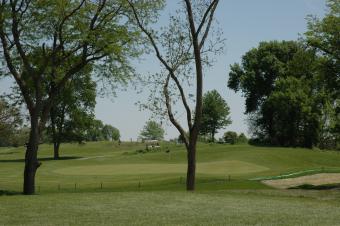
260	68
286	94
110	133
10	122
295	113
242	139
95	131
73	111
152	131
323	35
230	137
215	114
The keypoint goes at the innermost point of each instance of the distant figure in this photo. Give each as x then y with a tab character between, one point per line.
167	150
119	142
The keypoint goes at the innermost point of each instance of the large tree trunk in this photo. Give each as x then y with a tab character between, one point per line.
31	157
191	172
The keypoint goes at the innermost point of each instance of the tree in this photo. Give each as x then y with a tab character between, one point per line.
110	133
260	68
295	113
215	114
181	49
70	115
230	137
47	43
10	120
152	131
283	95
323	35
242	138
95	131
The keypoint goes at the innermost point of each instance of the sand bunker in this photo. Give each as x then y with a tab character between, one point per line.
316	179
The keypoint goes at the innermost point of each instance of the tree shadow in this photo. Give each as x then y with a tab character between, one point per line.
9	153
317	187
42	159
6	192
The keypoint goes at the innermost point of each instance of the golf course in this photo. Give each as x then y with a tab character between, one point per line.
102	182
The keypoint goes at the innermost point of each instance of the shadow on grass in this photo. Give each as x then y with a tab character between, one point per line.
42	159
5	192
317	187
9	153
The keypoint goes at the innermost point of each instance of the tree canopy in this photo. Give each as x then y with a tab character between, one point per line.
282	93
111	133
215	114
10	121
152	131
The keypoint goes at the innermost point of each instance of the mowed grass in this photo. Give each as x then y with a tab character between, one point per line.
105	183
171	208
119	167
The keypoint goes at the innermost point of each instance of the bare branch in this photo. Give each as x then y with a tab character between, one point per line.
170	113
16	38
13	70
205	16
211	16
166	65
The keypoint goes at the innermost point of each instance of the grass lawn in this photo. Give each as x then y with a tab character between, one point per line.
104	183
171	208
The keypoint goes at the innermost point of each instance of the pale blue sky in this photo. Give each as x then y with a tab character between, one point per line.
245	23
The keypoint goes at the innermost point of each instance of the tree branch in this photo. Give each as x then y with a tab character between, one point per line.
170	113
212	7
22	85
166	65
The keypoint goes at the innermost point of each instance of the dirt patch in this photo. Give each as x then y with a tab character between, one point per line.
316	179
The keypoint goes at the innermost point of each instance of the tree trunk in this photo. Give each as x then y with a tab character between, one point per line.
31	158
191	172
56	145
213	136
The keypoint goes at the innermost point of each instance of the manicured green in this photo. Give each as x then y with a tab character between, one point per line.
107	183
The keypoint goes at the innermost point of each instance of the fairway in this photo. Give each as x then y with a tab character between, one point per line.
218	167
121	167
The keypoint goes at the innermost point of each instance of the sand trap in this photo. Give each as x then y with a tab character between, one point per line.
316	179
231	167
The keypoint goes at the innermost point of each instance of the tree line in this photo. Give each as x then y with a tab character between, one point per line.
74	126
